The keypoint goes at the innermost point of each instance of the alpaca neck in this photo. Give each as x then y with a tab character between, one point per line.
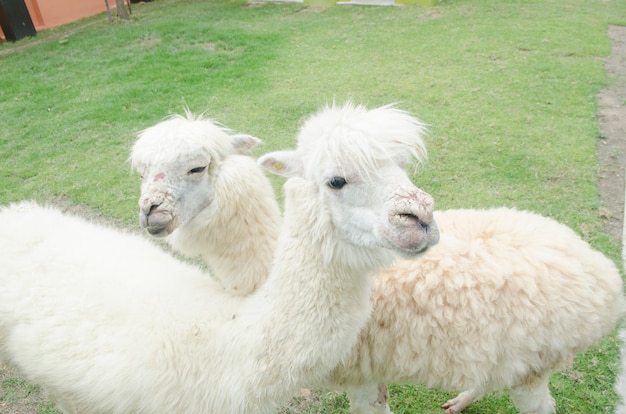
236	235
307	317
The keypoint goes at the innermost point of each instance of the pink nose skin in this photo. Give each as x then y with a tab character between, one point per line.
158	177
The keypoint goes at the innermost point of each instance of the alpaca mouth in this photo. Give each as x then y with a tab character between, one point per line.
157	224
411	236
431	234
157	231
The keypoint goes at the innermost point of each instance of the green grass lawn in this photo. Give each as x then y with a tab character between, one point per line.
509	89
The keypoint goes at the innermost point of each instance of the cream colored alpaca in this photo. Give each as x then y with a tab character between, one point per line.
504	300
108	323
480	310
207	199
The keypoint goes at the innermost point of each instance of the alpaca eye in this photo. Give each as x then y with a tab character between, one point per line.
337	183
197	170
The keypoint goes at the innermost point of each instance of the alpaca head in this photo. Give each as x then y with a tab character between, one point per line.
178	160
357	158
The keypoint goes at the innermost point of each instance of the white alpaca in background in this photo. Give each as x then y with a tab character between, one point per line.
505	299
108	323
208	199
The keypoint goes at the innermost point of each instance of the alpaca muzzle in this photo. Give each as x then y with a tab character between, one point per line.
411	227
157	220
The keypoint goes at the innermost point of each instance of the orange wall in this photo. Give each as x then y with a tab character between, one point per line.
58	12
52	13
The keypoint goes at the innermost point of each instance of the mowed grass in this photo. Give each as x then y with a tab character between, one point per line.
508	88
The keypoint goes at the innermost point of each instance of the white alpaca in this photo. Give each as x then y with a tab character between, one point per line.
482	310
109	323
208	199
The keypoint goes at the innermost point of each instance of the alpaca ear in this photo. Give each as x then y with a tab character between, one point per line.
243	142
283	163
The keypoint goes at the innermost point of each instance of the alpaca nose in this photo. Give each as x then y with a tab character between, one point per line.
151	209
413	210
412	206
407	219
149	204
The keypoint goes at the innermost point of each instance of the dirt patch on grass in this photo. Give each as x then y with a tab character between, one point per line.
612	145
17	396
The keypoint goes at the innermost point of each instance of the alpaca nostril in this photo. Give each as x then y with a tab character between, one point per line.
409	220
410	217
148	206
405	219
152	208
